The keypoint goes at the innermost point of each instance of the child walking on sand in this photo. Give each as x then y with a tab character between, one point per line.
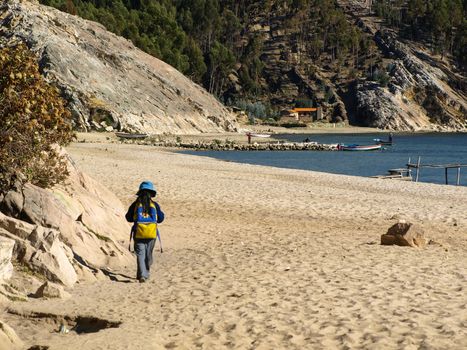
145	215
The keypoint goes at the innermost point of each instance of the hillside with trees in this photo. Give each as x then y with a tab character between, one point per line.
441	25
266	56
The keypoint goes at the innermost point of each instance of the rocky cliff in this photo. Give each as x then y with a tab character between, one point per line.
422	93
109	83
289	71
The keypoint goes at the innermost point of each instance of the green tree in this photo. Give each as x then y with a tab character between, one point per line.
221	61
197	67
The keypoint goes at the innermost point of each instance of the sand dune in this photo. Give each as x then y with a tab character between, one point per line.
265	258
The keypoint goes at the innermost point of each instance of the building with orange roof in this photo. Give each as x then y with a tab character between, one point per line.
302	115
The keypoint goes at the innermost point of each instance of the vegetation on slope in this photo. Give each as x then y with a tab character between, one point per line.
33	119
440	24
217	43
206	39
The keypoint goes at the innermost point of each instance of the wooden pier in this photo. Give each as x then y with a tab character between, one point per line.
418	166
396	174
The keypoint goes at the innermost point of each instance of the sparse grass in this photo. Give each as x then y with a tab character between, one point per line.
98	236
101	237
95	102
23	268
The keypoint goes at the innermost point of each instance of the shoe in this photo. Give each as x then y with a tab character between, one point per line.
142	280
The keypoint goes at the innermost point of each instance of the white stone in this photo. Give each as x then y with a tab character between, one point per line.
6	252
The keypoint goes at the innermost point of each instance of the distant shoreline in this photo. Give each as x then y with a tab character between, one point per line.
322	129
241	138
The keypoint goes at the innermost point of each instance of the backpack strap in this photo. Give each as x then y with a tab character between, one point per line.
138	216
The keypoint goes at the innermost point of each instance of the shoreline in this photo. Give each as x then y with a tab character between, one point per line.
192	144
240	137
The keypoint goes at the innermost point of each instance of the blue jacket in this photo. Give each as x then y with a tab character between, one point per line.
129	216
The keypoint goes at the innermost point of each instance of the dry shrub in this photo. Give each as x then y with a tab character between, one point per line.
33	120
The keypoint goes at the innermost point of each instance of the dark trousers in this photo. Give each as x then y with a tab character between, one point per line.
143	250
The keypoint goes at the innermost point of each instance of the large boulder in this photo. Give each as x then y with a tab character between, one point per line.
12	203
89	218
405	234
41	250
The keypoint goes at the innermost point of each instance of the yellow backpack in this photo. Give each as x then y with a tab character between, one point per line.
145	224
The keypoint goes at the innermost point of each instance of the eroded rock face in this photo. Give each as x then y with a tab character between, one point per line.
420	94
41	250
380	108
109	83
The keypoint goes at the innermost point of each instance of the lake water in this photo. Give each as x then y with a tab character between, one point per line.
436	148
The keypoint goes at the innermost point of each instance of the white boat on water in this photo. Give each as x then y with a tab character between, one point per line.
257	135
359	147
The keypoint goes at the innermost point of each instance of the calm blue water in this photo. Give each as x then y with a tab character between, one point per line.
432	148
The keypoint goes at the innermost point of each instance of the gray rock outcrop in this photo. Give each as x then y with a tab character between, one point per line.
73	231
108	82
418	96
422	92
378	107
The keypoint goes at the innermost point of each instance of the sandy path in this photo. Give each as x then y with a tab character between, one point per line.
265	258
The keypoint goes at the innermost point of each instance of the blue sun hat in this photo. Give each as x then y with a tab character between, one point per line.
148	186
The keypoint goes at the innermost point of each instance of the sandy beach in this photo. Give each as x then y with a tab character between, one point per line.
264	258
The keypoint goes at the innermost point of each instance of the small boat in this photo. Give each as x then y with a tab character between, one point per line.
383	142
258	135
126	135
358	147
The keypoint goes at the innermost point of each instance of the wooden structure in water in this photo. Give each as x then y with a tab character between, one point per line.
397	174
419	166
